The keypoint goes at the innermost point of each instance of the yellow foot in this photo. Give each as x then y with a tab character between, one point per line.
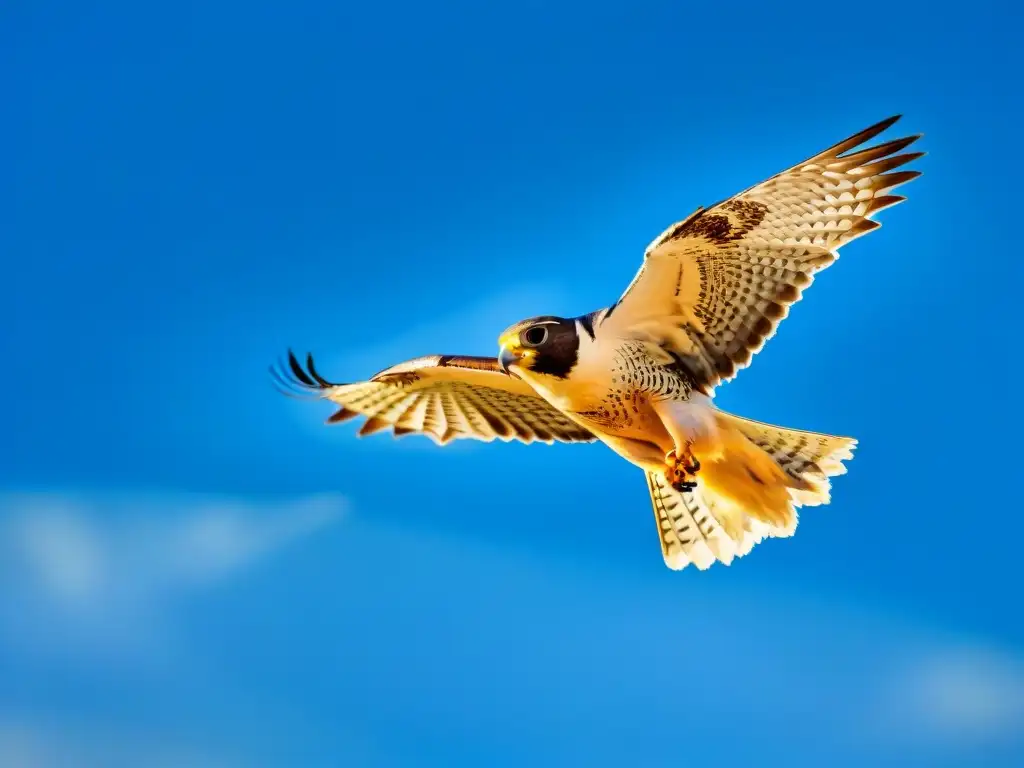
681	471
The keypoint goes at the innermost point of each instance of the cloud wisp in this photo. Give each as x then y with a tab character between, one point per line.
35	742
958	695
577	645
98	566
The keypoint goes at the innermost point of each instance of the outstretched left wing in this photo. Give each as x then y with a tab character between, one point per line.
444	397
713	287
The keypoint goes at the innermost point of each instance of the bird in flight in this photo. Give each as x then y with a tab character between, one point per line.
640	375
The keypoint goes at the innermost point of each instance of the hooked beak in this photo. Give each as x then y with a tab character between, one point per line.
507	357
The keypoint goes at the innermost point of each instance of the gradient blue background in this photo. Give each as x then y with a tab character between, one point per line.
195	187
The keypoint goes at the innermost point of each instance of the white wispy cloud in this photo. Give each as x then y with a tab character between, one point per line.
108	567
812	671
957	695
36	742
823	673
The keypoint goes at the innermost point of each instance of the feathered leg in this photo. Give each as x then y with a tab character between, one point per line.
691	425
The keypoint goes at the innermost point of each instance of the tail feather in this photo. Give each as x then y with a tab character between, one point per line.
696	527
687	528
748	493
807	458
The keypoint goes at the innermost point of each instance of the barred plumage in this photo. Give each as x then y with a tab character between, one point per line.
640	375
444	397
713	287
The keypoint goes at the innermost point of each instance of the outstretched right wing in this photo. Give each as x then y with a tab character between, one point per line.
444	397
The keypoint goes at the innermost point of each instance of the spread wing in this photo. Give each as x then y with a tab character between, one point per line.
713	287
444	397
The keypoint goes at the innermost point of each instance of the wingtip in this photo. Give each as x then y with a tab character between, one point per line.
846	148
282	380
312	371
882	125
291	378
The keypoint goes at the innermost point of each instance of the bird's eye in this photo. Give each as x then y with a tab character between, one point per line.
534	337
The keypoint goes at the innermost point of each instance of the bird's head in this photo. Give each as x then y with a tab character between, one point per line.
540	346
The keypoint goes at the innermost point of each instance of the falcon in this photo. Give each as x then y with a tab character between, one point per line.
640	374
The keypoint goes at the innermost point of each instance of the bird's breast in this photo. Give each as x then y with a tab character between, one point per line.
611	390
621	412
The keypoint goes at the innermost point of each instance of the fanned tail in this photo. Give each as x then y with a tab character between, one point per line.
695	527
748	493
808	459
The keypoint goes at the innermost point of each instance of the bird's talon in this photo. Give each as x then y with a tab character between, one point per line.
680	471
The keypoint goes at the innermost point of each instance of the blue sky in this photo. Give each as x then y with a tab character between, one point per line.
194	571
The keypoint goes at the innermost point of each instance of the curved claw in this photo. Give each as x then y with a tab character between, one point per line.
681	471
684	487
